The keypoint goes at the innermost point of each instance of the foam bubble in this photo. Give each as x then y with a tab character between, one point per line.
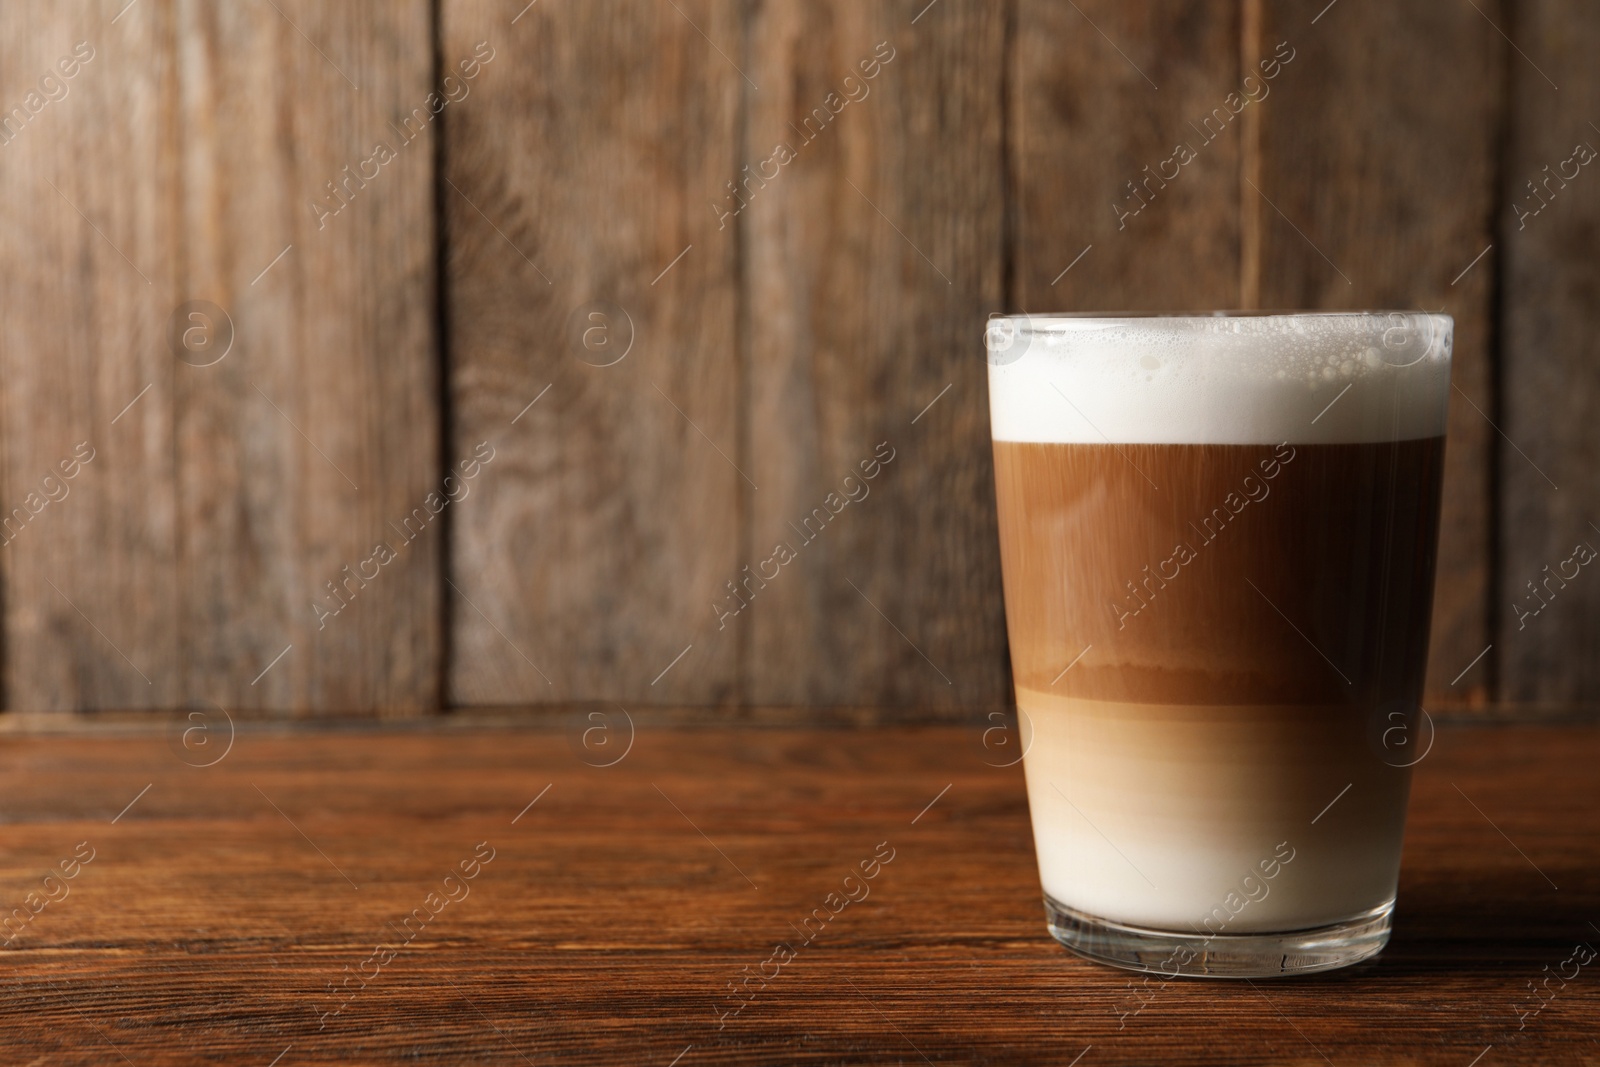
1308	378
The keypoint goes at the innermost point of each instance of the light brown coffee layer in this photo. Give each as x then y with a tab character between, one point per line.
1210	574
1181	816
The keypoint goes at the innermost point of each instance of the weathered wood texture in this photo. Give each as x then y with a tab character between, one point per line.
997	161
1549	228
871	259
186	161
89	275
578	174
1375	188
215	922
1100	94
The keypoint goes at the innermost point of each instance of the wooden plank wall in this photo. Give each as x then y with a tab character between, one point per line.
610	516
647	281
183	164
868	274
1549	228
91	275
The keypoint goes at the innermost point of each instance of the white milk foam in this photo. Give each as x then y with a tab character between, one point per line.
1306	378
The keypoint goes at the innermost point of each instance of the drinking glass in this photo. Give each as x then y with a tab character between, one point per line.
1217	537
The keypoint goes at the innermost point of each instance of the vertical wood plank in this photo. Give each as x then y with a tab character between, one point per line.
873	256
1103	94
230	492
89	276
1550	305
578	174
302	450
1374	189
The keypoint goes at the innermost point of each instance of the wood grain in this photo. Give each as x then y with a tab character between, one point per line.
871	260
1098	93
781	329
310	443
219	503
1374	188
579	172
1550	305
89	277
215	913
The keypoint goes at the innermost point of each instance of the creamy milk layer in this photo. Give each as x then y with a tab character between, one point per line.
1309	378
1217	820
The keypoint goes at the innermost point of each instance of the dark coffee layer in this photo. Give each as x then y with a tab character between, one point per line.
1215	574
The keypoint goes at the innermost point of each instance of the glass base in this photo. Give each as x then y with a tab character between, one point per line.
1263	955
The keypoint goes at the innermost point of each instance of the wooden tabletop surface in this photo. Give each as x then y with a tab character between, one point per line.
255	911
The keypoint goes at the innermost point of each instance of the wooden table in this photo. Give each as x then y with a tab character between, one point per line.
225	907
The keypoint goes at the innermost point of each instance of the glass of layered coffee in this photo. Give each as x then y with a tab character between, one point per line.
1218	534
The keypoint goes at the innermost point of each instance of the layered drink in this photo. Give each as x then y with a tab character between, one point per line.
1218	538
